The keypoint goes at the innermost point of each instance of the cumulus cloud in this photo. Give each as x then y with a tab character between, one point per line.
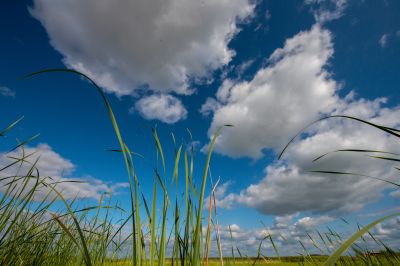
271	107
165	108
130	45
287	187
388	232
293	90
7	92
53	169
286	236
310	223
299	233
326	10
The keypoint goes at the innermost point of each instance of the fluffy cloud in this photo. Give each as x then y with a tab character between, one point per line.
286	232
131	45
165	108
268	110
388	232
7	92
52	168
311	223
288	188
271	107
326	10
306	230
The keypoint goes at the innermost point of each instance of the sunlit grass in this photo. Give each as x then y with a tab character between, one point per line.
34	232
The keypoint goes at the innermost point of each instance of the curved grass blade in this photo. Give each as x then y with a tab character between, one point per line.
190	133
78	228
197	233
159	148
259	251
119	229
336	255
386	158
132	152
391	131
354	150
64	227
355	174
274	246
176	166
117	133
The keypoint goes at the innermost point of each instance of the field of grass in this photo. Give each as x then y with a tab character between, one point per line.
230	262
34	232
288	261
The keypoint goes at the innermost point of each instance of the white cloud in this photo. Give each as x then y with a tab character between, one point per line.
124	45
286	238
388	232
287	187
222	198
311	223
395	194
210	106
7	92
295	89
326	10
165	108
384	40
52	165
282	222
271	107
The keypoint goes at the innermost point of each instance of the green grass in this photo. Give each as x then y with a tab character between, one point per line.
35	232
286	261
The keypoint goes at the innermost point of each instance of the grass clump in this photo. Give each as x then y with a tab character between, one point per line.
34	231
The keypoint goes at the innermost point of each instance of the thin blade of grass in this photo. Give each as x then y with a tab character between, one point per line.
197	234
355	174
391	131
338	252
354	150
4	131
159	148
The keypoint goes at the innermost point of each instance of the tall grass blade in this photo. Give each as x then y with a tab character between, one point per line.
391	131
354	150
197	233
4	131
354	174
338	252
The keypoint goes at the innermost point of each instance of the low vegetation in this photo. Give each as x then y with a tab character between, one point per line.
38	231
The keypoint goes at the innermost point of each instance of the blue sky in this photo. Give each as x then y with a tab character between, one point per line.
267	67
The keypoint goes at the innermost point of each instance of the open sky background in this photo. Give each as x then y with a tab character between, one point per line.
267	67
